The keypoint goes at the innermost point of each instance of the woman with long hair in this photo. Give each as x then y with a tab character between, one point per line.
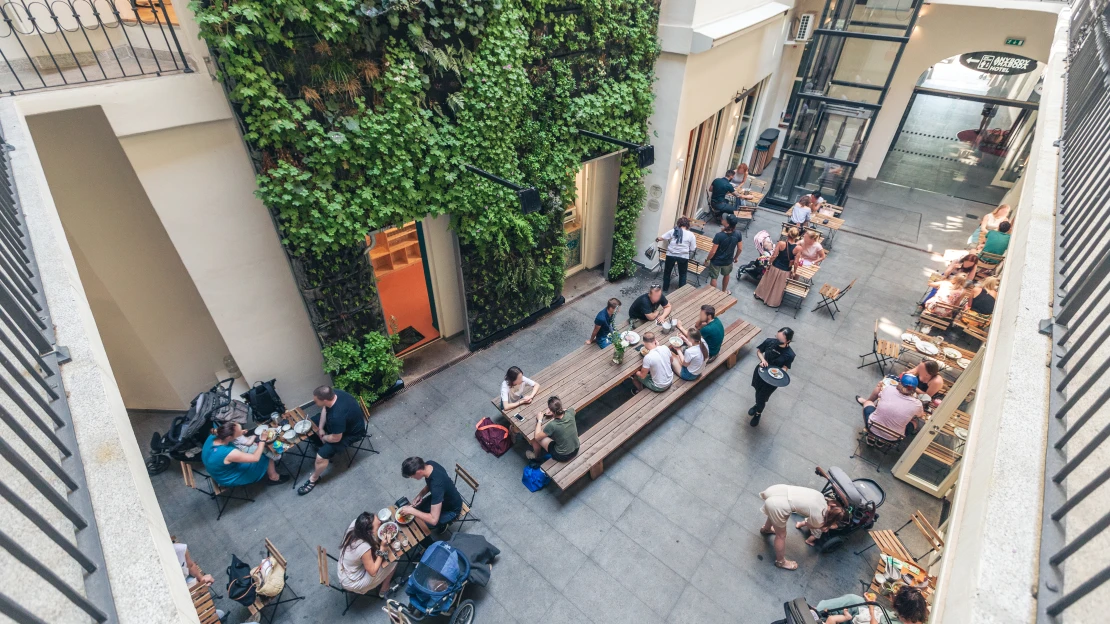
809	251
773	283
688	362
983	296
990	221
965	265
681	246
820	513
229	466
516	389
949	292
362	562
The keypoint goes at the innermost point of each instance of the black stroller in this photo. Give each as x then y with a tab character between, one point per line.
861	497
798	611
187	433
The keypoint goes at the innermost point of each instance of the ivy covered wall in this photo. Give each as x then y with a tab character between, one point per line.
362	113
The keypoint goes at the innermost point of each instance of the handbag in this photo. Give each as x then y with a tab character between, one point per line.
492	437
240	584
534	477
270	577
650	253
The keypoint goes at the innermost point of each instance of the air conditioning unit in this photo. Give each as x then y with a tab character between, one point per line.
806	22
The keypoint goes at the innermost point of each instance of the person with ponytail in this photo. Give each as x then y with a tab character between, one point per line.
681	246
689	361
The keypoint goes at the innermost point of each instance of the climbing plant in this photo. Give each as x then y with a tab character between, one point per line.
365	111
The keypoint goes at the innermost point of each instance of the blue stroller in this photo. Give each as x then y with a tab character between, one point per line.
435	588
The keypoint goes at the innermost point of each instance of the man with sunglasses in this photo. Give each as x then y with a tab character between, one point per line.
650	306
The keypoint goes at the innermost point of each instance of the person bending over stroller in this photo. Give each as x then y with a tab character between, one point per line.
909	606
820	513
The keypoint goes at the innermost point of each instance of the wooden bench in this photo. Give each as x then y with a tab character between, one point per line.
600	440
588	372
202	601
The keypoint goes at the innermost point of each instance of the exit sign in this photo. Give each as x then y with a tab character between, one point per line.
1015	42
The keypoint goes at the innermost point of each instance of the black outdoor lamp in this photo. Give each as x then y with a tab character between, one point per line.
645	154
529	197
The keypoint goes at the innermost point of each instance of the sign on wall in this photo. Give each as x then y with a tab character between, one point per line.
1002	63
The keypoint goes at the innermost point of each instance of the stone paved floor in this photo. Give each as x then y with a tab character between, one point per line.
669	533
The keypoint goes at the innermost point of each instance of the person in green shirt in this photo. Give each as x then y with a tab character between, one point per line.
997	240
556	433
711	328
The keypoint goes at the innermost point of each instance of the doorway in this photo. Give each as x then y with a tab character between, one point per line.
701	152
588	223
965	133
404	285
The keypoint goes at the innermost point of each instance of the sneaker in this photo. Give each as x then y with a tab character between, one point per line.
755	420
529	454
751	411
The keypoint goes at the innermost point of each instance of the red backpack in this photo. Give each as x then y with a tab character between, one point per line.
494	438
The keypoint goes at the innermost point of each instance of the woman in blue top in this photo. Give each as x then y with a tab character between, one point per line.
229	466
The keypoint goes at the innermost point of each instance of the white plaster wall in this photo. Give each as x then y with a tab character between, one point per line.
201	184
944	30
689	89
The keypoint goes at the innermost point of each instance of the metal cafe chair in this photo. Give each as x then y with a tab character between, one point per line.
222	495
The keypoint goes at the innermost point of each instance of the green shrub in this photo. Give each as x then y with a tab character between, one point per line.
366	369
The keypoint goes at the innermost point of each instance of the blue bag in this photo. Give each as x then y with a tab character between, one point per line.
534	477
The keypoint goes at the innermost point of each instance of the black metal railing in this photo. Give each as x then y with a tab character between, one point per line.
52	534
53	43
1077	503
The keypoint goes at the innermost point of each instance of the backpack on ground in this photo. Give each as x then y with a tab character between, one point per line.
492	437
264	400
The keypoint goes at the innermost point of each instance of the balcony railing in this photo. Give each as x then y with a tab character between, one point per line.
53	43
1074	533
54	565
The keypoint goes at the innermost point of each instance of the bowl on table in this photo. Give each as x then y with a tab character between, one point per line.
951	353
675	342
303	426
963	362
289	436
388	530
631	337
403	518
908	337
644	351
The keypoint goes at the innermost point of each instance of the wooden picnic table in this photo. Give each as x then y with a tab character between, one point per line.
948	362
588	372
294	416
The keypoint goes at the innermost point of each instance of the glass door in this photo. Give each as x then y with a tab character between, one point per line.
932	460
743	131
824	142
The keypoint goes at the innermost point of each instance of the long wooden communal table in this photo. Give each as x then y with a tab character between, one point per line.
588	372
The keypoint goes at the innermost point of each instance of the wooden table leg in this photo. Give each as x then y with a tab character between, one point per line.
597	469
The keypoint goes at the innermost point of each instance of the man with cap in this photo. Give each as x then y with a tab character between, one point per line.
896	407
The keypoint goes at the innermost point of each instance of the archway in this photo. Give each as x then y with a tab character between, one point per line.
968	127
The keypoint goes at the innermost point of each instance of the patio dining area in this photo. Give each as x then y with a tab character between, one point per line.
670	530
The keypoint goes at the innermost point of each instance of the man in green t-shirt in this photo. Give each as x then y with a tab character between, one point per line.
556	433
711	328
997	241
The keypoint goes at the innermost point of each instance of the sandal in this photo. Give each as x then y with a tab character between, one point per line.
306	487
762	532
787	565
859	399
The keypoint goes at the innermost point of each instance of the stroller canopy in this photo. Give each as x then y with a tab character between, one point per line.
438	578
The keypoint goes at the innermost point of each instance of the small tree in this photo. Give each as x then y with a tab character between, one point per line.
367	369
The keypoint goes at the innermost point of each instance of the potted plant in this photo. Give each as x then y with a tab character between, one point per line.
619	346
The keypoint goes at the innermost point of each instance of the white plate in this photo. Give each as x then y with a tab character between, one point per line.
303	426
387	524
887	381
963	362
908	337
286	427
952	353
631	337
290	435
927	348
961	433
259	429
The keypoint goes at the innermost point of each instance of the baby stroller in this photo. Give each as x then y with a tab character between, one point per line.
861	497
798	611
187	433
435	588
755	269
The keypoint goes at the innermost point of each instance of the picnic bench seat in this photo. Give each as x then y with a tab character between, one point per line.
604	437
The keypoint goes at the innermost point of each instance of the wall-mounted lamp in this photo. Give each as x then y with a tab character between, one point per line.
645	154
529	197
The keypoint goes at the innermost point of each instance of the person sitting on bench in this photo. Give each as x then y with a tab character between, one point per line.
439	503
688	361
711	328
556	433
802	211
650	306
655	374
605	323
516	389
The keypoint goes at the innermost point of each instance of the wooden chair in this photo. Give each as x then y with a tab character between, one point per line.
830	295
222	495
759	186
884	351
942	316
363	443
890	543
974	324
795	294
467	512
205	606
890	441
349	597
261	603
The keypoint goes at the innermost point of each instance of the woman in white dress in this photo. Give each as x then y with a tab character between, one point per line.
361	567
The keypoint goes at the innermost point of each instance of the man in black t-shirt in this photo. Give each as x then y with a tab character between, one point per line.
340	423
650	306
720	191
724	253
439	503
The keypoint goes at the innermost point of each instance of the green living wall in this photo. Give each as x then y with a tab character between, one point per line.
362	114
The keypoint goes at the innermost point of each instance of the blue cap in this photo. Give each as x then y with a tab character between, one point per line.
909	379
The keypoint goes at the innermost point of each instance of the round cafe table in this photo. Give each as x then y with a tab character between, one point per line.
778	383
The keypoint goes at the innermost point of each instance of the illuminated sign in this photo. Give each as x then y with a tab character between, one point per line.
998	63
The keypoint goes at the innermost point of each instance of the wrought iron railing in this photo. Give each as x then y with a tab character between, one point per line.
1077	502
52	43
50	530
